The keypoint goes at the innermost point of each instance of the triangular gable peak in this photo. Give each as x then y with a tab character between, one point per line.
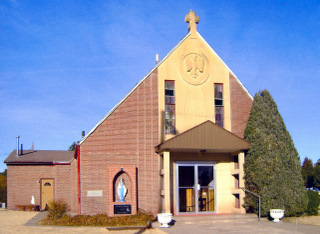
206	137
190	34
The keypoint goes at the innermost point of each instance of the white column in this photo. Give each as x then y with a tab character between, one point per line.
166	180
241	180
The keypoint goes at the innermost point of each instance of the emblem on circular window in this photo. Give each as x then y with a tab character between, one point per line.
194	68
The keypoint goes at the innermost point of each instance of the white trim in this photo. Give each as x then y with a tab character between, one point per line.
134	88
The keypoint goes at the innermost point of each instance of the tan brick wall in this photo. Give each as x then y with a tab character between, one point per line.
24	182
241	104
126	137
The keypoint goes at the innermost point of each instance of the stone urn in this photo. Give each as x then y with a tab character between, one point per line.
276	214
164	219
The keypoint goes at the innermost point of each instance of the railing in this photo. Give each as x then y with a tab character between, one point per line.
245	190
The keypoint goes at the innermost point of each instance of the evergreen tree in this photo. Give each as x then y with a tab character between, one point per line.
272	165
317	175
72	147
307	171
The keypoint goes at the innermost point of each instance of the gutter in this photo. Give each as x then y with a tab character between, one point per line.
37	163
77	156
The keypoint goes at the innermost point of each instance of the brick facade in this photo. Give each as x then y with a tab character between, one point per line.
23	181
126	138
240	104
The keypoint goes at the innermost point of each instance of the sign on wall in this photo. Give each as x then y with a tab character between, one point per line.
94	193
122	209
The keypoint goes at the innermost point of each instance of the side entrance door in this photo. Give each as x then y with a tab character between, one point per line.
47	192
196	188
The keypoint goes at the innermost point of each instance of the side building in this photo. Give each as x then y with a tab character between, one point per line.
41	176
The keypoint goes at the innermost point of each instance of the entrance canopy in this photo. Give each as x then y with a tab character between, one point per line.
206	137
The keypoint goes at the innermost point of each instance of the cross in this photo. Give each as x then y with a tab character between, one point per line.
192	19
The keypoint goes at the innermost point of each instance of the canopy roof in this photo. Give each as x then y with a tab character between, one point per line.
207	136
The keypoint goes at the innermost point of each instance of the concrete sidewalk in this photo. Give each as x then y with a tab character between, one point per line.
26	222
246	223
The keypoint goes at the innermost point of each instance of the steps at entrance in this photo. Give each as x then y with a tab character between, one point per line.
203	219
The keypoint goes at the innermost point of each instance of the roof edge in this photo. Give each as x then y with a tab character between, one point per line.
159	145
225	66
135	87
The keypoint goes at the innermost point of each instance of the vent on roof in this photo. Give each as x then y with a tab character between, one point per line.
17	154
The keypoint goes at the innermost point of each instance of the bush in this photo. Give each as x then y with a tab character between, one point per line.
313	203
3	188
57	209
142	218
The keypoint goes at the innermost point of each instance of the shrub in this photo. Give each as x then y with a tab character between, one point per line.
57	209
3	188
313	203
142	218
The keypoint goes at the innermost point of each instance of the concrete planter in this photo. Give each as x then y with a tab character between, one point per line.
164	219
276	214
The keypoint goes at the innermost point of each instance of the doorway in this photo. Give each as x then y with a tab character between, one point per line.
196	187
47	192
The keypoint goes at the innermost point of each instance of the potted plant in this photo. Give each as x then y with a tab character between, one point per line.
164	219
276	214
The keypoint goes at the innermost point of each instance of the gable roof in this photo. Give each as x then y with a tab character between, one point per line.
207	136
152	70
40	157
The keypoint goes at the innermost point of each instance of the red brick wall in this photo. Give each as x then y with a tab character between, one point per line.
24	181
240	107
126	137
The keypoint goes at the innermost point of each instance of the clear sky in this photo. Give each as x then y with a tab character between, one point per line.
65	64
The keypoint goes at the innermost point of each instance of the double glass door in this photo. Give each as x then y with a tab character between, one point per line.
196	188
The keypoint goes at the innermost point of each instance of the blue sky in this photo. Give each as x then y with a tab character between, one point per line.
65	64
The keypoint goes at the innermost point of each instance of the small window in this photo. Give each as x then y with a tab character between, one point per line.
47	184
169	107
218	103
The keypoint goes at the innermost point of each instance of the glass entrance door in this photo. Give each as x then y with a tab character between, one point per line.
195	188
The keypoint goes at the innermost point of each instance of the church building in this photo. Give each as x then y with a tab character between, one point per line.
173	144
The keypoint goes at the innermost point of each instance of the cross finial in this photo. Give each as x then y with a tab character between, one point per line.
192	19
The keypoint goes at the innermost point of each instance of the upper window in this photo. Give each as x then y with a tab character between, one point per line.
218	103
169	107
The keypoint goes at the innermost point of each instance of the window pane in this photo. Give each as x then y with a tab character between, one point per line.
218	102
169	107
169	84
169	92
218	91
170	100
205	175
219	116
186	176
